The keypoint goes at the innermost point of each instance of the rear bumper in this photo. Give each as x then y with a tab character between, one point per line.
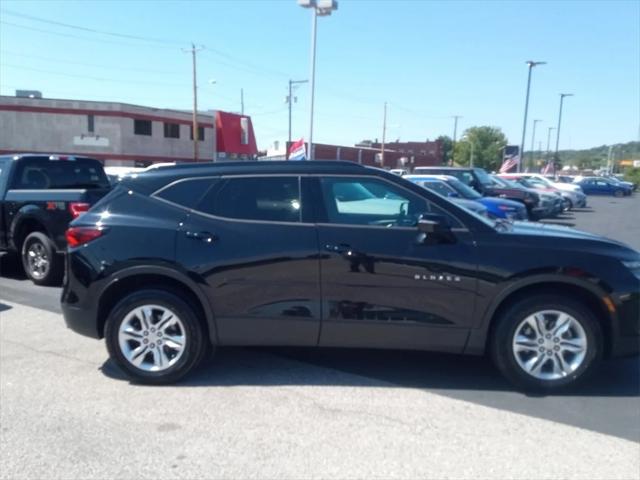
80	320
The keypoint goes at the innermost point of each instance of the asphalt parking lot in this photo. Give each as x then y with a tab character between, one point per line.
67	412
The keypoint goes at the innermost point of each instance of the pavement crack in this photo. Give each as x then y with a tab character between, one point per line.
56	354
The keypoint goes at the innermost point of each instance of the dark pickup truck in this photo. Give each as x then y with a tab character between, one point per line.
39	196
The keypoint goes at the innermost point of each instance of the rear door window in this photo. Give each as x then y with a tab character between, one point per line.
269	199
40	173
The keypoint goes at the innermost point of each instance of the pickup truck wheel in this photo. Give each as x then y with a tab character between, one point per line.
547	342
40	261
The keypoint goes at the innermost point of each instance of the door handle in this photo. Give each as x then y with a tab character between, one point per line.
206	237
341	248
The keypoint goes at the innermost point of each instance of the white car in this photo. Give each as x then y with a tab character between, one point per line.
567	187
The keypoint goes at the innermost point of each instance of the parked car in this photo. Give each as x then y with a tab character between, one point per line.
561	202
449	186
399	171
441	188
545	206
572	193
483	183
115	174
619	181
603	186
179	260
39	196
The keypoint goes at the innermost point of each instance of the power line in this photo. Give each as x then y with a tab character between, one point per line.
99	79
92	30
94	65
81	37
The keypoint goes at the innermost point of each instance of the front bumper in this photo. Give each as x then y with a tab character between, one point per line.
626	328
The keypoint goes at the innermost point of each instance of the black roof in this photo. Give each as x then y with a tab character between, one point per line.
156	178
19	156
444	168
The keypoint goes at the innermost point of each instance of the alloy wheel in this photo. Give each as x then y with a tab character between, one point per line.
38	260
549	345
152	338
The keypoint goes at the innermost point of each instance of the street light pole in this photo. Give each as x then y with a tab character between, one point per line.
384	134
321	8
550	129
555	157
531	64
455	132
533	141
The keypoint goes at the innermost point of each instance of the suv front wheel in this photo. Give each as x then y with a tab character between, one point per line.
546	342
155	337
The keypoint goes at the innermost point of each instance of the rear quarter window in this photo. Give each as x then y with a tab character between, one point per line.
186	193
41	173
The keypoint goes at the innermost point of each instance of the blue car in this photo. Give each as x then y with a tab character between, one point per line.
603	186
449	186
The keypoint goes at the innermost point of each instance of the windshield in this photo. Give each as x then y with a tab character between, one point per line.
483	176
503	182
463	190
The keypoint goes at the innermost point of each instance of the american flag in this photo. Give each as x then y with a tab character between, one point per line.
510	158
548	168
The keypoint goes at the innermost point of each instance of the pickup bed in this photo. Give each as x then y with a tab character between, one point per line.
39	196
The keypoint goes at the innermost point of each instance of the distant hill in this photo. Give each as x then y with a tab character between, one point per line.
597	156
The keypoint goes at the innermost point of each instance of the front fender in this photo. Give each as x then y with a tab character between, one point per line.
478	337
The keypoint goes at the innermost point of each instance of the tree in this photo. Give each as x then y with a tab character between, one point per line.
446	147
487	144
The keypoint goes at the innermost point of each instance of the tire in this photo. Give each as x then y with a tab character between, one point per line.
176	362
618	193
41	263
513	320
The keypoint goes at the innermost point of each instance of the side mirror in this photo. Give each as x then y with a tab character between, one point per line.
434	228
453	194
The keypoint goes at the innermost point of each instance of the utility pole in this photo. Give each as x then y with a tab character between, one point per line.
196	136
290	102
384	133
241	101
455	132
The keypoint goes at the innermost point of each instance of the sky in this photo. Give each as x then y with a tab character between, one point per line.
429	60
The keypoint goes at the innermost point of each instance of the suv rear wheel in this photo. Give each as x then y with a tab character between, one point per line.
155	337
546	342
41	262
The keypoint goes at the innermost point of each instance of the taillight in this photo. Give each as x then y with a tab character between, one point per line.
77	236
78	208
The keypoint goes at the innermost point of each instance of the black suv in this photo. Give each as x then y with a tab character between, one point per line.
335	254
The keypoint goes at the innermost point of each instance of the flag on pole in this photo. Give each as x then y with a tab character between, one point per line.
510	158
297	150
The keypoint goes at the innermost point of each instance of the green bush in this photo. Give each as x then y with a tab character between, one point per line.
632	175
